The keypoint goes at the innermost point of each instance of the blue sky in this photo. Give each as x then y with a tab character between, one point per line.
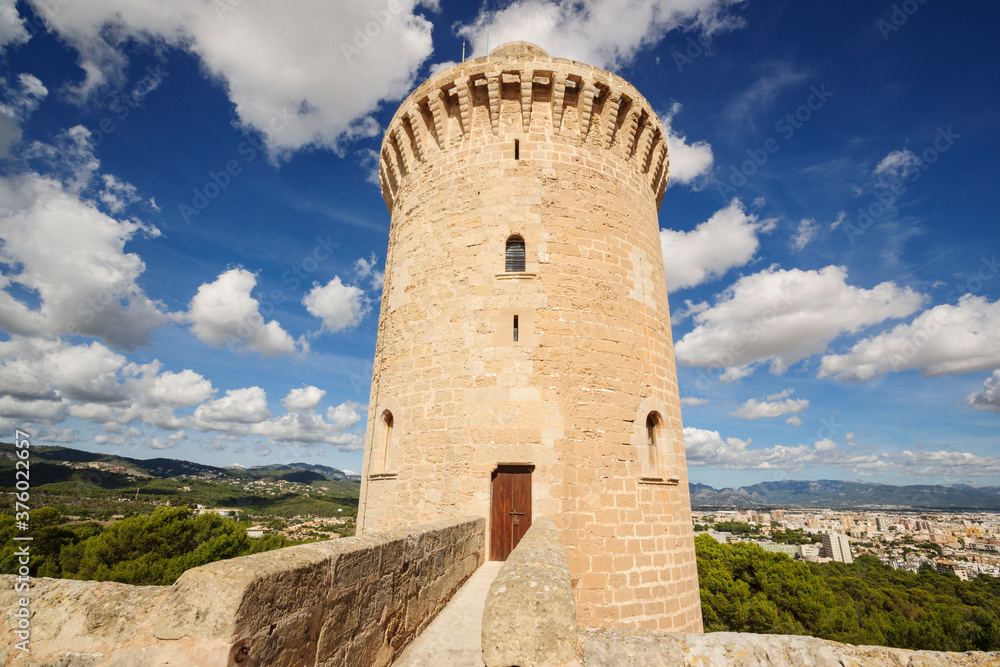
193	239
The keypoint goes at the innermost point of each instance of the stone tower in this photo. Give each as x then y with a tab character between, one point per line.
524	362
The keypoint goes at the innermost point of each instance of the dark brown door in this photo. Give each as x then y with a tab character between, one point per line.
511	515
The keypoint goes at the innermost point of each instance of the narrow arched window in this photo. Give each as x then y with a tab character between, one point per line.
386	441
515	254
652	462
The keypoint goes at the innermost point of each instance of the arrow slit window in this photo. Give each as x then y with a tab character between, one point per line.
386	441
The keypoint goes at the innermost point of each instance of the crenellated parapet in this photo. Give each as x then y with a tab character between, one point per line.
520	92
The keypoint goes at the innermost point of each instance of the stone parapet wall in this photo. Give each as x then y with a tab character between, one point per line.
353	601
530	615
518	89
603	647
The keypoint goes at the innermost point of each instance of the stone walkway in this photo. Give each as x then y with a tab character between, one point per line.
454	638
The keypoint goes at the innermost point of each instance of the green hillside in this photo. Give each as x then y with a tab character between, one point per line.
100	486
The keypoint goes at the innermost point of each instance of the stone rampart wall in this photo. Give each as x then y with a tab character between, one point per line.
648	648
530	615
353	601
529	621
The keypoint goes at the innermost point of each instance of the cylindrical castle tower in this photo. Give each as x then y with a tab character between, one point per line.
524	362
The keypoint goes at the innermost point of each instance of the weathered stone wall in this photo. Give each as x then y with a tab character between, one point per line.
347	602
594	354
530	616
644	648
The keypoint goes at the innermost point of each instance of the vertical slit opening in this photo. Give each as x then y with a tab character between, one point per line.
515	328
387	449
517	149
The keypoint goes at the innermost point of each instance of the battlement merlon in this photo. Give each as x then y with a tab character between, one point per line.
520	92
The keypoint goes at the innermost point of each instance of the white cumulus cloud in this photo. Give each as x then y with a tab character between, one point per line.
52	370
959	338
989	397
62	435
285	66
183	389
605	33
787	315
12	30
72	255
709	448
692	401
303	398
688	161
17	102
726	240
771	406
340	306
224	312
244	406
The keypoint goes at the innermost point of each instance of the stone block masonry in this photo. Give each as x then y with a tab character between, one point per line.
341	603
561	368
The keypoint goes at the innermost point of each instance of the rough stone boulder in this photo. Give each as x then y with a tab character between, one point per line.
530	615
606	647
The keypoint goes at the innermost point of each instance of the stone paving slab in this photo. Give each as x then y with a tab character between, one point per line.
454	638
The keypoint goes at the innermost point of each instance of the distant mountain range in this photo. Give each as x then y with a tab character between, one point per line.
785	493
843	494
326	471
161	468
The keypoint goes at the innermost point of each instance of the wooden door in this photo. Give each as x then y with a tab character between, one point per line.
511	511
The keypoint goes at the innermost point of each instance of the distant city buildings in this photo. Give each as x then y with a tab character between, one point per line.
790	550
963	544
837	548
809	551
221	511
951	567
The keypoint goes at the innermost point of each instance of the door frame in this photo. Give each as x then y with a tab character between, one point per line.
515	468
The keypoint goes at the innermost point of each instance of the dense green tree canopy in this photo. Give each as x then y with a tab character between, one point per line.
747	589
145	549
